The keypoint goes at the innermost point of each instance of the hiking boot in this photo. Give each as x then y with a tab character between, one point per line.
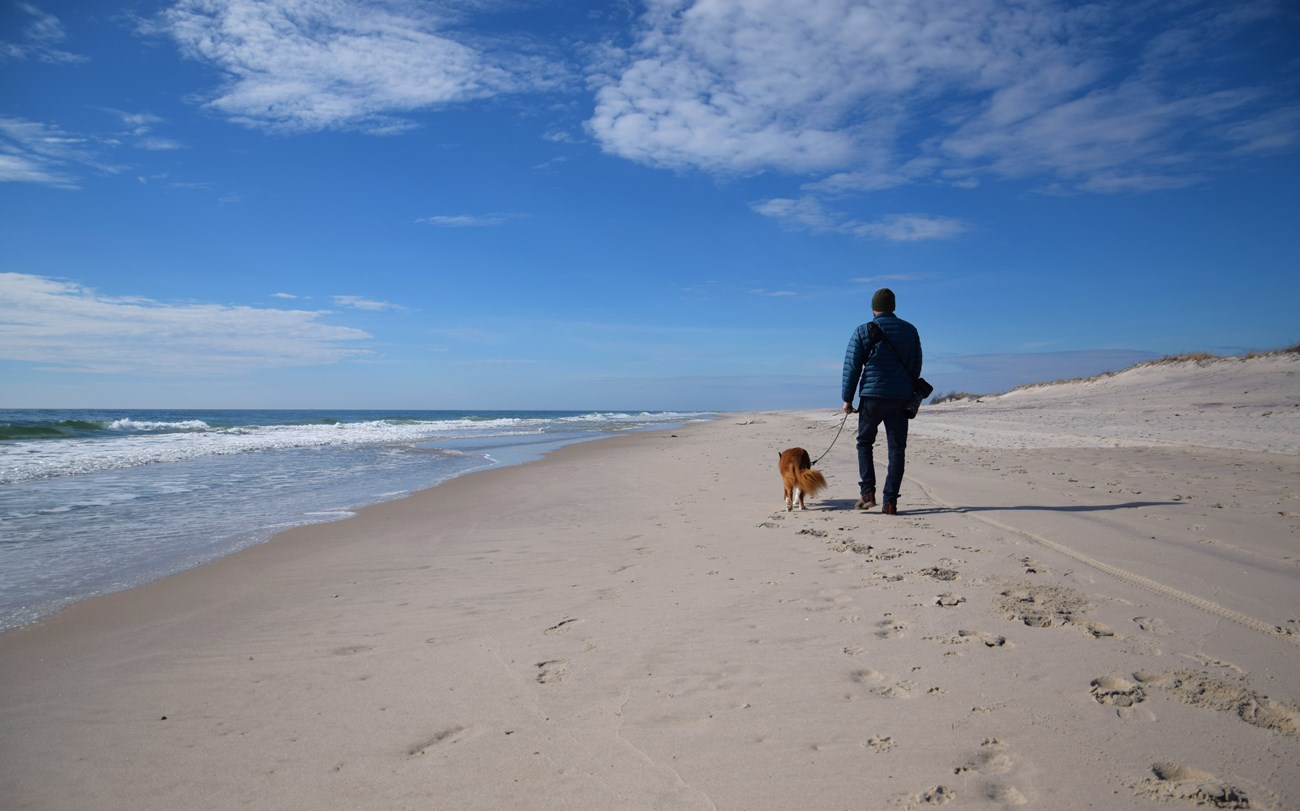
889	509
866	501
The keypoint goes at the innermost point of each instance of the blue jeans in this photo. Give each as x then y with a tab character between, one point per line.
872	411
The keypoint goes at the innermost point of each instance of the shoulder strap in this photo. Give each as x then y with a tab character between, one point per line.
873	327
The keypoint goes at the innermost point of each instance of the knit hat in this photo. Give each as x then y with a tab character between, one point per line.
883	300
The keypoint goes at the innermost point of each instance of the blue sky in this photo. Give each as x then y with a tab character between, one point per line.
684	205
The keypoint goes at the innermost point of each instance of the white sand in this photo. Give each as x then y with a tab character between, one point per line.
1054	622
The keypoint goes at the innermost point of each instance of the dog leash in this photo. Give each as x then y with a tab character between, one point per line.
837	436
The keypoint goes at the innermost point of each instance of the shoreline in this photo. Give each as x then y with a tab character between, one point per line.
250	527
636	622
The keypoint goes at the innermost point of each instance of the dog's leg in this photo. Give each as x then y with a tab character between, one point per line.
800	494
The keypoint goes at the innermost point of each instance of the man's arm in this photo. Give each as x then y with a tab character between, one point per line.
853	357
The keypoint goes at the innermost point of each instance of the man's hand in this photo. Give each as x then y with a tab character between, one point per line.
848	408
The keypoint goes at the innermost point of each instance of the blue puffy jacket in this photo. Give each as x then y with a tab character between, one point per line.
883	373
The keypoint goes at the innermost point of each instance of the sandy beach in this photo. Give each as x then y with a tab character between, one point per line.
1090	599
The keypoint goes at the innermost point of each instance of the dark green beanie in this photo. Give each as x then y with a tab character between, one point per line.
883	300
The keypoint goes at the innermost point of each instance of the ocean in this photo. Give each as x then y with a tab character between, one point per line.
96	501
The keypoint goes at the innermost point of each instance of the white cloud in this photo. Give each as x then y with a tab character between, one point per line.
36	152
809	213
868	96
32	152
68	327
370	305
910	228
468	220
156	143
307	65
887	278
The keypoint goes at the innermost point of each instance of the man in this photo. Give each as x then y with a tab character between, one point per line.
886	380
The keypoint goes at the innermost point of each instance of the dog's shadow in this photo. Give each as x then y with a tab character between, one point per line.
833	504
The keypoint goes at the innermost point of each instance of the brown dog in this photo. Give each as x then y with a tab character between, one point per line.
798	476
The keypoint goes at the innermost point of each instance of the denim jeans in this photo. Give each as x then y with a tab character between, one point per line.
872	411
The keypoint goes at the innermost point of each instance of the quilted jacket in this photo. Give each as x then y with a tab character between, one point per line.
872	369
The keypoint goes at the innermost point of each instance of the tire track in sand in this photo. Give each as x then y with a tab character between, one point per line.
1122	574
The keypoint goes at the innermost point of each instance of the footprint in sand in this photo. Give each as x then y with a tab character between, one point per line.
989	640
1097	630
1152	625
450	735
562	627
1116	692
903	689
891	629
1123	695
1034	567
936	795
949	600
993	758
1176	781
879	743
551	671
1226	695
1047	607
939	573
352	650
1005	795
856	547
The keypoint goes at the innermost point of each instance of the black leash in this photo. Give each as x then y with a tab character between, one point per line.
837	436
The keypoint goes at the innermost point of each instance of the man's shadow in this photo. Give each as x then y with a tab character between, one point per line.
847	504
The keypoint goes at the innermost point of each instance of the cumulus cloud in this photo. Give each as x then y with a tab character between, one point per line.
68	327
868	96
308	65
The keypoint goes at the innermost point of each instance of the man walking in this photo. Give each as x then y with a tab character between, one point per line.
883	378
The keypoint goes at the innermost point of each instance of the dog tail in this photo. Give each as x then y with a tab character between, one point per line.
811	482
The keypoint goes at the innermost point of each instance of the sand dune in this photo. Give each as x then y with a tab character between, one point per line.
1080	607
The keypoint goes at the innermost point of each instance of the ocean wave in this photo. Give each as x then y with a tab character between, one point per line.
129	424
53	430
128	442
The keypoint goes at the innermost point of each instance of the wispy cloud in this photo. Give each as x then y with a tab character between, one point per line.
38	35
44	153
370	305
888	278
808	213
468	220
308	65
859	97
32	152
137	130
496	362
68	327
